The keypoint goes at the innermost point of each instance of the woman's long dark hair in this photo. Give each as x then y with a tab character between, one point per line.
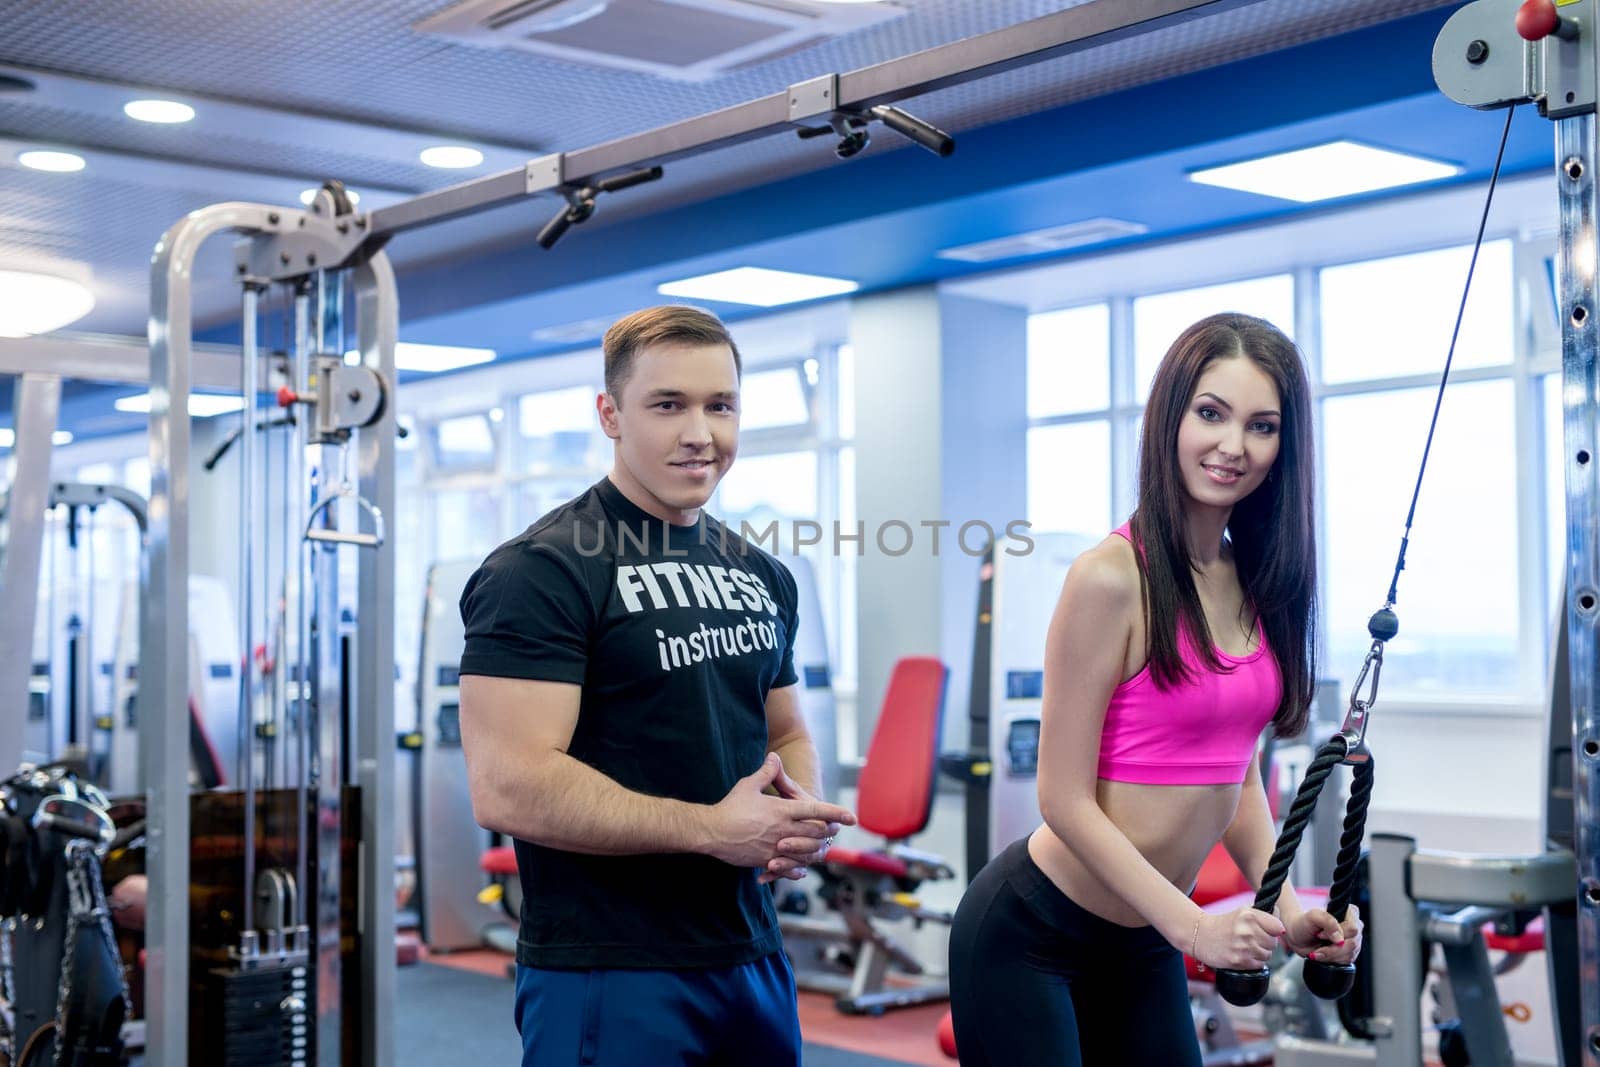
1273	530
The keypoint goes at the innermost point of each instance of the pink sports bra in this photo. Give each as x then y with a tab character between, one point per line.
1204	731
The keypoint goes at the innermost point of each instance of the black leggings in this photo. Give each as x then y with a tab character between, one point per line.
1036	979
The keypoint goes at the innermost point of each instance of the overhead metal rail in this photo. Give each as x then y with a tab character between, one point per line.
853	95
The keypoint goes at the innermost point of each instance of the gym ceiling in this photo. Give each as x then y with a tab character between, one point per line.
290	92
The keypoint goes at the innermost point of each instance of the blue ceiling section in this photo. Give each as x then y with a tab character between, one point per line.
881	220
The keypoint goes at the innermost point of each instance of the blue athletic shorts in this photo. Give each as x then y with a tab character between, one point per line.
707	1017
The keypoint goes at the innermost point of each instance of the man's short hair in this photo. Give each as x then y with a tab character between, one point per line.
667	324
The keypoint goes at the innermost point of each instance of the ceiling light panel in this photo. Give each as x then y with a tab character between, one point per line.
161	112
1325	172
51	161
758	287
33	303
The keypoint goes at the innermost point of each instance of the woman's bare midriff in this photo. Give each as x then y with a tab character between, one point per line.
1173	826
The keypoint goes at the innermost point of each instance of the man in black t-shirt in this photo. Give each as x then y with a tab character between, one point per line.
630	716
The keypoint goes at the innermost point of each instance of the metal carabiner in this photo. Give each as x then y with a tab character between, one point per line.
1354	730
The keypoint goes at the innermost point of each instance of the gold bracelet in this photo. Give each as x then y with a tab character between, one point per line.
1194	945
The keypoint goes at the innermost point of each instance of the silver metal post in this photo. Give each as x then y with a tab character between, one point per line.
77	674
248	503
164	633
327	699
1478	1001
377	322
37	401
49	580
1578	303
86	729
295	512
269	685
1396	969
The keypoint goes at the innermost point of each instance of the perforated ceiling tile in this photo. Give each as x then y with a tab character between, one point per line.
369	63
21	119
112	226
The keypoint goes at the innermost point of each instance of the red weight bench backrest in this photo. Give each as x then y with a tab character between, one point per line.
894	794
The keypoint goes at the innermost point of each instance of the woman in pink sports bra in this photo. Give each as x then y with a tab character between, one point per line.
1175	642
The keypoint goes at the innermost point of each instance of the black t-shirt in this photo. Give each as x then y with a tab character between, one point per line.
675	633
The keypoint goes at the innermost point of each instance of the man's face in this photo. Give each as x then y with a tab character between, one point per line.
676	427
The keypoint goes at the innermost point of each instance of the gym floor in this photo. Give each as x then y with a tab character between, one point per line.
459	1005
457	1009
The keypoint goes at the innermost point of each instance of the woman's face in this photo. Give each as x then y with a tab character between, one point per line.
1229	435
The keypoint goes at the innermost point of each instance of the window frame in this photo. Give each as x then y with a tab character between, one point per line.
1535	352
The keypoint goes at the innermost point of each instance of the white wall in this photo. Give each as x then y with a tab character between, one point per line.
900	439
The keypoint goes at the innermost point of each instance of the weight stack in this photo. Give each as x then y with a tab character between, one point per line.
257	1015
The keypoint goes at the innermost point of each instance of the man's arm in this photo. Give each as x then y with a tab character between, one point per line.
790	740
788	736
515	733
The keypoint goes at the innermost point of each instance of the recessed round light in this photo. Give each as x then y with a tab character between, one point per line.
58	162
162	111
308	195
451	156
38	303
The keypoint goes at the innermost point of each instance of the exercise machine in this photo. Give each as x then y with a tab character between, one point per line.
849	953
1016	596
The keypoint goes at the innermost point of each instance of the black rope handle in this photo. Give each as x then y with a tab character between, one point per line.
1330	981
1242	988
1343	889
1332	753
1326	980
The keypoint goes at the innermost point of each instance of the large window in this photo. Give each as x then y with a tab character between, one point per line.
1384	318
1160	318
559	431
772	399
1086	398
1069	371
1458	601
1069	477
463	443
1375	334
1070	418
795	466
780	486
